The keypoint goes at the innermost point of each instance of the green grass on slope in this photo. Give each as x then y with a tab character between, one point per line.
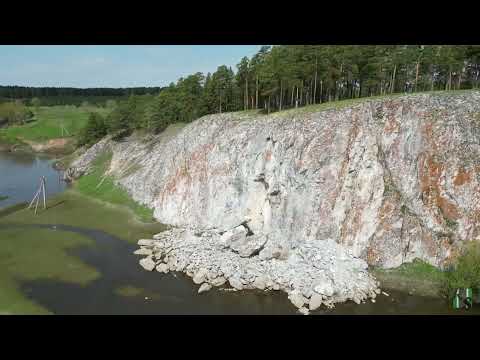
420	270
32	254
340	104
48	123
417	276
101	187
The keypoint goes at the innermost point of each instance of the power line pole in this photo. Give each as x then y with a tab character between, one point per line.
41	190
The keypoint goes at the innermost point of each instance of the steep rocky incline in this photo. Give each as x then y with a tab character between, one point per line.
386	180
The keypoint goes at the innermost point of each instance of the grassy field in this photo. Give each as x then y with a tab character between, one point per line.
48	124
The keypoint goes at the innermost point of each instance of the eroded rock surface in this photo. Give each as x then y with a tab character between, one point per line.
387	181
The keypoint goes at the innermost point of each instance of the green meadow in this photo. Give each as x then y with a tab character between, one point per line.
50	122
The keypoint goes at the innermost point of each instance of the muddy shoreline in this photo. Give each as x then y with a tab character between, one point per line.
54	147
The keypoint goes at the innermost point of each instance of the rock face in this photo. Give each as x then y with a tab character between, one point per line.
386	180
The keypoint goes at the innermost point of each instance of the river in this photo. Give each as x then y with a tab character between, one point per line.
20	177
155	293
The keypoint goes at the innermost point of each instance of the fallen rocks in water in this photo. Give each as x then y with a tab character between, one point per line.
315	273
146	242
200	276
303	311
204	287
235	283
147	263
259	283
219	281
143	251
315	302
297	299
163	268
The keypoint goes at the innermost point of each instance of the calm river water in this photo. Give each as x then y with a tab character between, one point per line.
20	177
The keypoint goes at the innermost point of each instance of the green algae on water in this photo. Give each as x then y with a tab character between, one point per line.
28	254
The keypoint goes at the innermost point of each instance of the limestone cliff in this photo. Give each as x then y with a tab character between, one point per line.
391	180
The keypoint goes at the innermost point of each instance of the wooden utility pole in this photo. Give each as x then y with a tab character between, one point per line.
63	128
41	190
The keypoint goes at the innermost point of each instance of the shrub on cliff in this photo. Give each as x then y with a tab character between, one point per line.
465	273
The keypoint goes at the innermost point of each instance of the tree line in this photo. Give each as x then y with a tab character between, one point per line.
289	76
51	96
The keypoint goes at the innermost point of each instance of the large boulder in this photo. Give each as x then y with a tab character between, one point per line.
147	263
249	245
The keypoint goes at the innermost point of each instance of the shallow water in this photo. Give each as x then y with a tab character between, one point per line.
172	293
167	293
20	177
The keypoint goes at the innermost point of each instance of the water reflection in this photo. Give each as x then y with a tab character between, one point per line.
20	175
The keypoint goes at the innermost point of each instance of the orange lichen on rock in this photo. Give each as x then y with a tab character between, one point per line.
429	136
372	256
430	173
462	177
391	125
385	214
268	155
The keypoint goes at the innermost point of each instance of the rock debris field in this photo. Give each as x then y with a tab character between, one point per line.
314	274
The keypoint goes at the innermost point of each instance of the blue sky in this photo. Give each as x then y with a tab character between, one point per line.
112	66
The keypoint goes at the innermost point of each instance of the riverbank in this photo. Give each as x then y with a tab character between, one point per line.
55	146
415	278
53	260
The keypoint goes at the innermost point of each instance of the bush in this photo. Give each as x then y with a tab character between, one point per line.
15	113
93	131
465	273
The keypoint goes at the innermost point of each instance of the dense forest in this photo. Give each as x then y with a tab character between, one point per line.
282	77
51	96
289	76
